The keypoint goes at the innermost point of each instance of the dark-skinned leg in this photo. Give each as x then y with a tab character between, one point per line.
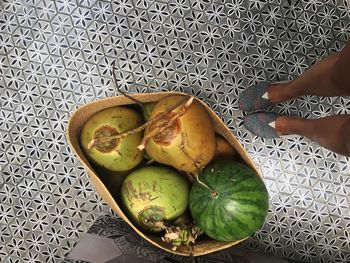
331	132
329	77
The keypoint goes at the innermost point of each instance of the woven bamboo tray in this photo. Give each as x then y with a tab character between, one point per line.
82	114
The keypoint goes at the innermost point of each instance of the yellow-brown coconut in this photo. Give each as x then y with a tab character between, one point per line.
224	150
189	143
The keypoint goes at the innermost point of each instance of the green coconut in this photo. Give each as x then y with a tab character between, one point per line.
154	196
147	110
112	154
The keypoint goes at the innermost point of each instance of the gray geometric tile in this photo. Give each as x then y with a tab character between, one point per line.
55	56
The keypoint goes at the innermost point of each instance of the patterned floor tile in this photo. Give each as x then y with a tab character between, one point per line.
56	56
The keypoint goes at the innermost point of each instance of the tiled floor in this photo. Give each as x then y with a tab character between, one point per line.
57	55
111	240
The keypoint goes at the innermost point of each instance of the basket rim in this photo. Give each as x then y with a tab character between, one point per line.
143	97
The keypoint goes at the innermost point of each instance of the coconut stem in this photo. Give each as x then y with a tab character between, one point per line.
105	139
187	154
160	128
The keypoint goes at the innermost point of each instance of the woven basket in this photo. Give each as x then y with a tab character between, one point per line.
82	114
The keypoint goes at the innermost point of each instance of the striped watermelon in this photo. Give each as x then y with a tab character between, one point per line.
236	209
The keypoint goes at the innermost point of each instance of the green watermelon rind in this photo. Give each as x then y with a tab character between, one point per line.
223	218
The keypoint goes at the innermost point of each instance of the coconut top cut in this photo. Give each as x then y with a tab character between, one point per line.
184	138
113	154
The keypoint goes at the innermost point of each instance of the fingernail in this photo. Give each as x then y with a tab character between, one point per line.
265	96
272	124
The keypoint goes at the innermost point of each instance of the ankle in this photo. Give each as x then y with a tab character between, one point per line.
338	73
341	86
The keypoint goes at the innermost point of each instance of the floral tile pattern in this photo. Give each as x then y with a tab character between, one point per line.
57	55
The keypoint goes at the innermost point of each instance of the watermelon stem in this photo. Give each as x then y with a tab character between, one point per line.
214	193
